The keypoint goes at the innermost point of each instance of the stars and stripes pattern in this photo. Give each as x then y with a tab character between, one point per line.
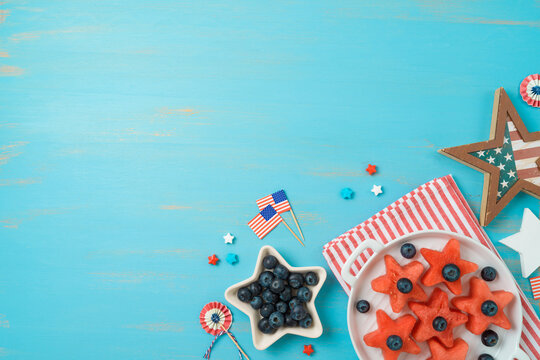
530	90
503	158
535	286
526	154
278	200
265	221
436	205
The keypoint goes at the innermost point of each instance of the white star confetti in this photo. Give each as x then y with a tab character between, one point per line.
228	238
377	190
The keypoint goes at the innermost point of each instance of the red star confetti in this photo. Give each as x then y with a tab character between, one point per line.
213	259
371	169
308	349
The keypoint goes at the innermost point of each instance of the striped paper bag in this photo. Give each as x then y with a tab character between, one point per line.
436	205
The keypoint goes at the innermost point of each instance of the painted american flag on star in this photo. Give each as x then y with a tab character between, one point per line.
278	200
265	221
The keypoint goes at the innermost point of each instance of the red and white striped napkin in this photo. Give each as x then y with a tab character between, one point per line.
436	205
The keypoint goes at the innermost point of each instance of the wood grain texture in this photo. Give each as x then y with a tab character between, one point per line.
135	134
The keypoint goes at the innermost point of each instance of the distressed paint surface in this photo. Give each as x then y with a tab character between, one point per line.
135	134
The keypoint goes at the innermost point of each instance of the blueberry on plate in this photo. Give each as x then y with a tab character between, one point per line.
265	279
404	285
298	313
269	297
306	322
266	310
311	278
255	288
439	324
277	285
281	272
489	308
488	273
303	294
289	321
362	306
296	280
408	251
286	294
451	272
294	302
264	326
270	261
276	319
256	302
394	342
485	357
282	307
244	295
490	338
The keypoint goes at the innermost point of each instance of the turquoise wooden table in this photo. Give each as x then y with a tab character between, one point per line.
135	134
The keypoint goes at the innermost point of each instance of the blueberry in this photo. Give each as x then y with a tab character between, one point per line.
451	272
281	272
256	302
306	322
277	285
311	278
490	338
244	295
298	313
289	321
255	288
485	357
282	307
439	323
265	279
294	302
266	310
269	297
276	319
286	294
264	326
362	306
489	308
404	285
488	273
394	342
408	251
270	261
296	280
303	294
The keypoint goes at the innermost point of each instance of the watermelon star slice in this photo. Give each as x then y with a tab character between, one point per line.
388	284
437	260
436	308
386	327
456	352
472	305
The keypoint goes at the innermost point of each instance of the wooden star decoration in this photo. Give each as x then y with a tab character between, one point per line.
510	160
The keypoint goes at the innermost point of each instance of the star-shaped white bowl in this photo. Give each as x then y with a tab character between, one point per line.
262	341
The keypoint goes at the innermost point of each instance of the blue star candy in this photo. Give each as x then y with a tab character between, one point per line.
232	258
347	193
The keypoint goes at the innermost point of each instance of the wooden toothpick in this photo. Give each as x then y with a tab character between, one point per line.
234	341
292	232
298	226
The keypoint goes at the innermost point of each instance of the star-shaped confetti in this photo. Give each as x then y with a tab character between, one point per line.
308	349
232	258
228	238
456	352
377	190
213	260
347	193
525	242
371	169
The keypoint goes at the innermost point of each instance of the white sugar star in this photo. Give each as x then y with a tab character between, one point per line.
491	160
526	243
498	150
228	238
377	189
501	166
508	157
481	153
504	183
506	140
511	174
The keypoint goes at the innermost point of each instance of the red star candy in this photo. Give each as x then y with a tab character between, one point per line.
213	259
371	169
387	284
387	327
456	352
439	259
308	350
472	305
437	306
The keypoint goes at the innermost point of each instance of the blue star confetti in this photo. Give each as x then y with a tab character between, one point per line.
347	193
232	258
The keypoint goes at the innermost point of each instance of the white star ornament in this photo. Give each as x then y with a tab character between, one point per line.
527	243
228	238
